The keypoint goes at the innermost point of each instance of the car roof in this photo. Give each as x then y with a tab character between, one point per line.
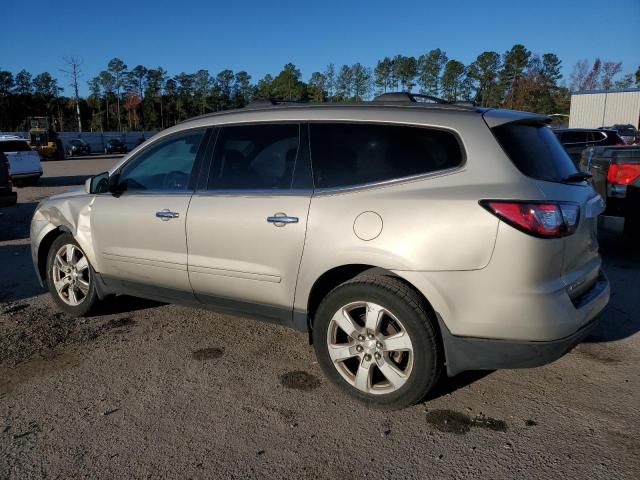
378	111
13	138
386	111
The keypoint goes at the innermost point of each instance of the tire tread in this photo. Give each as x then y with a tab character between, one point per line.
418	306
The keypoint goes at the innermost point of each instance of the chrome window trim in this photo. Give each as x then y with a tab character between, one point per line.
151	193
254	193
389	183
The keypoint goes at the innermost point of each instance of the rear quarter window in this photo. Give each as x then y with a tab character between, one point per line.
574	137
535	151
352	154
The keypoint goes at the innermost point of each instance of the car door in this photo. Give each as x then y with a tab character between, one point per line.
139	235
246	226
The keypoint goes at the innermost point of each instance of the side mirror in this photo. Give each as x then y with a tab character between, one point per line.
98	183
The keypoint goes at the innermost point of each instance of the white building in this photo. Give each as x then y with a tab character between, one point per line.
602	108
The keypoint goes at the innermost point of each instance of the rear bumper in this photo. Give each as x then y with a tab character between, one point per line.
20	176
468	353
8	199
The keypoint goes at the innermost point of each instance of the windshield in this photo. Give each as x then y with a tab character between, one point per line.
627	131
14	146
535	151
77	143
41	123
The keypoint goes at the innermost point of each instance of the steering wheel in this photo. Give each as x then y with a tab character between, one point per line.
175	180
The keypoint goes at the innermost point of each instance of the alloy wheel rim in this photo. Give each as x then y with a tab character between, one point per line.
71	274
370	348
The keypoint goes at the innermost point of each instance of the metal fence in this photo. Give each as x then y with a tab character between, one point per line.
96	140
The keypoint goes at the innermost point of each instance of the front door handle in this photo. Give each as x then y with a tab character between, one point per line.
167	214
281	219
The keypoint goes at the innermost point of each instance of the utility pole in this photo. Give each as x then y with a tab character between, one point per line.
73	73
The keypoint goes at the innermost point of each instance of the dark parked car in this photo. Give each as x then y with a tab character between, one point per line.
628	133
616	177
575	140
114	145
77	147
7	196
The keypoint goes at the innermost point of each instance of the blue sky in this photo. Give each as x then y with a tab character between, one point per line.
261	36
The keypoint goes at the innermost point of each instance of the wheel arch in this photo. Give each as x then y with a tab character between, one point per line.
44	247
340	274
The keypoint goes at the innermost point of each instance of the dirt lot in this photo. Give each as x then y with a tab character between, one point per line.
148	390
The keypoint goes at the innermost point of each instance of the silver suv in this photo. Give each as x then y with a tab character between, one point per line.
405	237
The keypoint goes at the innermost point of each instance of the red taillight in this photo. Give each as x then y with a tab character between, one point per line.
541	219
623	173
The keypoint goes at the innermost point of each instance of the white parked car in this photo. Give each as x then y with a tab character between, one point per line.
24	162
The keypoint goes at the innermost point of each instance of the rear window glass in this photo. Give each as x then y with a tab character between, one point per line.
348	154
574	137
535	151
627	131
14	146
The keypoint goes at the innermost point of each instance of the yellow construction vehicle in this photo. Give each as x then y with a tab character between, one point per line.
42	137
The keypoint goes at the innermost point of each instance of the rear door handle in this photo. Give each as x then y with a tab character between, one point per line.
281	219
167	214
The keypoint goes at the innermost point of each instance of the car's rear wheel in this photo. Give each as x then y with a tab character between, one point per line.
70	278
632	217
373	337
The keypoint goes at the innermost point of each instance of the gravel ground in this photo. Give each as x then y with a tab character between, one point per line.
148	390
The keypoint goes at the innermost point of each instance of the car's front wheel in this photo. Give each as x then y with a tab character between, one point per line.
374	338
70	278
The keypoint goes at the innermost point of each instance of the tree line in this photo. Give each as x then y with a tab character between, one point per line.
122	98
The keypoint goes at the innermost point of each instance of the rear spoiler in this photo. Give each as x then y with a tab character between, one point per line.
496	117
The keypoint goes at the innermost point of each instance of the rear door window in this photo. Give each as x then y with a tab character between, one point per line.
535	151
255	157
351	154
597	136
574	137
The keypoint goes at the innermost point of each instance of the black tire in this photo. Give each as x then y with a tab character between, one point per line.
632	213
409	307
632	226
90	300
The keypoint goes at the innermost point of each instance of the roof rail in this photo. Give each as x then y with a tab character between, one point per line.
268	102
404	97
